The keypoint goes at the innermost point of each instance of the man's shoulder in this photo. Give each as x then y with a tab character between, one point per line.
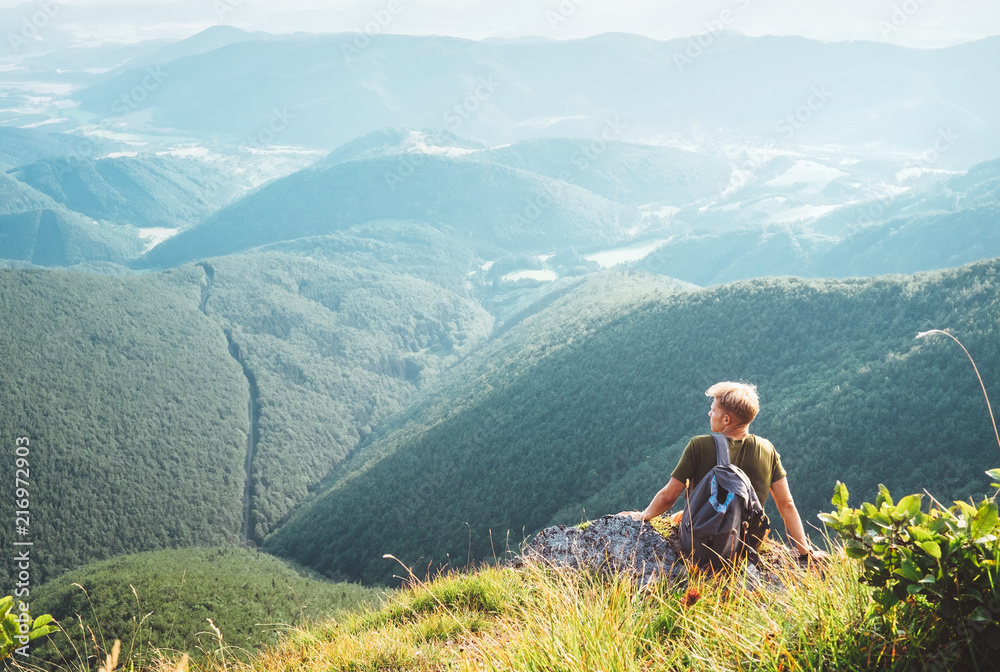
765	449
762	442
702	441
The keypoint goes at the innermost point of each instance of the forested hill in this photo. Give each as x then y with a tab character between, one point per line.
588	403
478	200
135	411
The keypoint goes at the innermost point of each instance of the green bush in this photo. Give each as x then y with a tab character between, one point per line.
941	563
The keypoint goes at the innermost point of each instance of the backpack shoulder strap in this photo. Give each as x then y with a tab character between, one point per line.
721	448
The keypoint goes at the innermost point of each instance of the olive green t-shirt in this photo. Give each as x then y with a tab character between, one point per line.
755	456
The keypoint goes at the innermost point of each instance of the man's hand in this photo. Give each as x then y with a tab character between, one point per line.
813	557
632	514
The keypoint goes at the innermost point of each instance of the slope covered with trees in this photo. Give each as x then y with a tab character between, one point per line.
405	247
19	146
149	399
16	197
587	404
330	353
135	412
57	237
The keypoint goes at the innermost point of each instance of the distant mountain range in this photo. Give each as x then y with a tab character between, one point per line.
786	89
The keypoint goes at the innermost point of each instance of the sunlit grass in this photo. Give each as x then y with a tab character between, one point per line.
544	619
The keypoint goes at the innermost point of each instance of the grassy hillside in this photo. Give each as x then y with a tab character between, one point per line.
532	619
135	412
486	205
587	404
331	353
252	598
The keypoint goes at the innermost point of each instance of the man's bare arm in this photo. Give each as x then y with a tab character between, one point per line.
661	503
793	523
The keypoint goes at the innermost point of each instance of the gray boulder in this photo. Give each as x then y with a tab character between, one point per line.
612	544
623	545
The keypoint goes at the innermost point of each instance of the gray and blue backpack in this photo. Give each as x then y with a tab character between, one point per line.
723	520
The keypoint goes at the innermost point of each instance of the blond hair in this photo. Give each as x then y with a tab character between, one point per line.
739	399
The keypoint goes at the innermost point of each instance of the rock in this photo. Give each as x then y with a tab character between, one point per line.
617	544
624	545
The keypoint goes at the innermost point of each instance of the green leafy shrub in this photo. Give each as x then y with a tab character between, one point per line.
16	632
942	562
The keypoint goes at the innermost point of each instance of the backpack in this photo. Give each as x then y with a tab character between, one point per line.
723	519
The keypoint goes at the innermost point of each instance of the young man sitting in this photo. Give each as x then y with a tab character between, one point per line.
734	406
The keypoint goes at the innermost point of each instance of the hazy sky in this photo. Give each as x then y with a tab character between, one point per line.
919	23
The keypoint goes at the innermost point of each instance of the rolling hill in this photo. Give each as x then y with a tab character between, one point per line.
405	247
930	224
17	197
19	146
142	191
622	172
486	206
57	237
198	406
161	600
